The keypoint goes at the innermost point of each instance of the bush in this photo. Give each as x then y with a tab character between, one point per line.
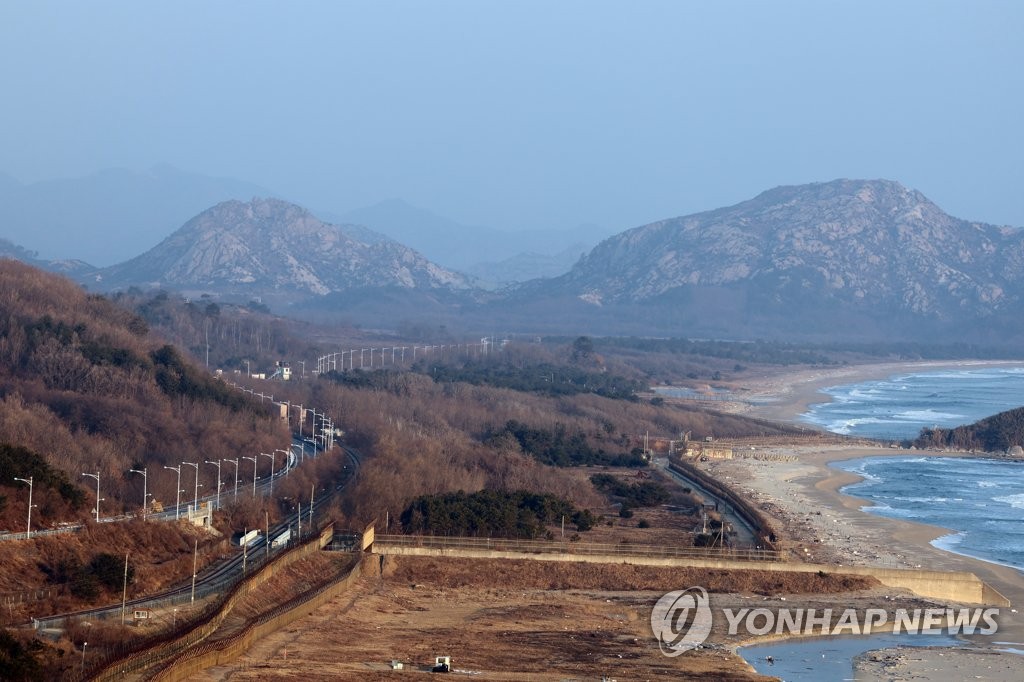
491	513
643	494
559	447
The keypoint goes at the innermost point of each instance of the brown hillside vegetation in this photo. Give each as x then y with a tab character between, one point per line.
86	388
421	437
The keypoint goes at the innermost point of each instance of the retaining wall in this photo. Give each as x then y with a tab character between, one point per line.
224	651
940	585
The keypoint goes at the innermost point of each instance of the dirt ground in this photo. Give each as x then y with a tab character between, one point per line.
505	620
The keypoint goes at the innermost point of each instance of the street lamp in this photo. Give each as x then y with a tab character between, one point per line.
302	415
145	484
195	499
28	528
216	464
272	458
286	458
97	477
313	429
235	462
253	460
177	499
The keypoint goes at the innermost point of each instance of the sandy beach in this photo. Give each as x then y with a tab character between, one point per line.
785	395
797	487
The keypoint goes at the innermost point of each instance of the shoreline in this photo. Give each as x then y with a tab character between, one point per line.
786	396
798	486
802	483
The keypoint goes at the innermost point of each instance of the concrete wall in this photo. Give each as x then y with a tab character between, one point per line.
940	585
177	645
224	651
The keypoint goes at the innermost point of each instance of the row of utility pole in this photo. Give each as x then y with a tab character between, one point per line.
333	362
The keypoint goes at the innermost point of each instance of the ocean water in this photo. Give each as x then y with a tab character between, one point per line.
828	659
981	501
900	406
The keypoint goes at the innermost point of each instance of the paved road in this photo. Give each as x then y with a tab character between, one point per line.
214	578
174	512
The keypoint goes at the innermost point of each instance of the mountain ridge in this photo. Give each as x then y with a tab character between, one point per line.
270	247
801	261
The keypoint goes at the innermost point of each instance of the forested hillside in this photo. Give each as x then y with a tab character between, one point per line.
997	433
84	387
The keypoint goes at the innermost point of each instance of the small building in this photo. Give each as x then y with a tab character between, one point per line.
203	516
282	371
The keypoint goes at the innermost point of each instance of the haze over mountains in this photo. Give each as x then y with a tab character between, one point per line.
113	215
868	259
109	216
475	248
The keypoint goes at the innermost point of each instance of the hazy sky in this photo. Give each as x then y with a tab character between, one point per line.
525	114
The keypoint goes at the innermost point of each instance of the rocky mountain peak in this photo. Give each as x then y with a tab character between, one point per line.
868	246
272	247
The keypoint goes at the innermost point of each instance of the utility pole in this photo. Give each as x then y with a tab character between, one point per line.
313	430
28	527
195	560
124	588
177	500
145	483
97	477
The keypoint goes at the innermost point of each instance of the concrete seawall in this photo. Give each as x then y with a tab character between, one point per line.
961	587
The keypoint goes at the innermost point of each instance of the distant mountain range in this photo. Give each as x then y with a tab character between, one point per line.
475	248
855	260
271	249
113	215
859	259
